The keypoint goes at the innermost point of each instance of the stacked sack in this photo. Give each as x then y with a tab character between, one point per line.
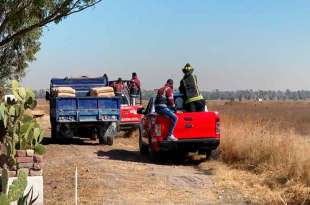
64	92
102	92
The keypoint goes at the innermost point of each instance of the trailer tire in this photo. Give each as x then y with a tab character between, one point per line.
107	133
54	132
110	140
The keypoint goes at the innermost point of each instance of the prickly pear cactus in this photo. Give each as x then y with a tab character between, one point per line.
15	191
4	200
4	180
18	186
17	129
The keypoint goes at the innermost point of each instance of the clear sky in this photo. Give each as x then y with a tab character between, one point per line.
232	44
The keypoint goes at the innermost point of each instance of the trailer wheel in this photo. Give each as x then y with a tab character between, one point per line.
102	140
107	133
142	147
54	132
110	140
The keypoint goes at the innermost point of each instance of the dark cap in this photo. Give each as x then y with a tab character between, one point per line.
170	81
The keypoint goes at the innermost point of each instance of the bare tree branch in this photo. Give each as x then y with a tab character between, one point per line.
55	16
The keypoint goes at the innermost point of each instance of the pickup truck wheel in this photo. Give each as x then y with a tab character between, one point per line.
152	154
208	154
142	147
212	154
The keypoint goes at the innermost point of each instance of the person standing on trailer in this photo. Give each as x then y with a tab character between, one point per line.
134	87
118	87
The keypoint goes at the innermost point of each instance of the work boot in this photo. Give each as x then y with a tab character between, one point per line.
172	138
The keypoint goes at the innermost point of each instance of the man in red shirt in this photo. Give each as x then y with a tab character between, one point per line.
134	84
164	103
118	87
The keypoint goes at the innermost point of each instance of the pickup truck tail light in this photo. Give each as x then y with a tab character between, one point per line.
218	130
157	130
217	125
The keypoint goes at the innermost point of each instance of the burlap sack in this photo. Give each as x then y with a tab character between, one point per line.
64	90
107	94
101	90
65	95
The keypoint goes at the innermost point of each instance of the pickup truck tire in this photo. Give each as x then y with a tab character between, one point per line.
142	147
152	154
212	154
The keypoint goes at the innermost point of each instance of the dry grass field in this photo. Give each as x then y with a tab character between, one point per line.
264	159
272	140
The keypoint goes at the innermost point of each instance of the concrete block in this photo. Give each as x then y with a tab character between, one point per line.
20	153
29	152
37	166
24	165
33	172
37	158
24	159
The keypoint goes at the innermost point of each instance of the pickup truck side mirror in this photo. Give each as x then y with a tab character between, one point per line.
47	95
141	111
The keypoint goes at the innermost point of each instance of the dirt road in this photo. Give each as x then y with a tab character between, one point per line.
120	175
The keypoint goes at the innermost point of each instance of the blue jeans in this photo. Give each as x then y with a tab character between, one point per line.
165	111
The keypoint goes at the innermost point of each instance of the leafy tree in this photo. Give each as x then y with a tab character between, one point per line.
21	23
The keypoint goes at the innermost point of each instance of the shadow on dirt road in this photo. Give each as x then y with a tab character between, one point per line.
122	155
69	141
135	156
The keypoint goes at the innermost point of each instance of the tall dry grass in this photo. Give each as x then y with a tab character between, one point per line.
272	140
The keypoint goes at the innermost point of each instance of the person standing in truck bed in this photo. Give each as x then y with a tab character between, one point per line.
194	101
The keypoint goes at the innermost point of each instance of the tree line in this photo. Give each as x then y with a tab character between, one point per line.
238	95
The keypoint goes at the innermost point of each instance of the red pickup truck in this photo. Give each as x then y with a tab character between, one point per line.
196	131
130	119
